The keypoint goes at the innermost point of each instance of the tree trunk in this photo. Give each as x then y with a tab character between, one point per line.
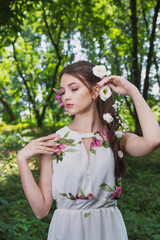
150	53
7	107
135	65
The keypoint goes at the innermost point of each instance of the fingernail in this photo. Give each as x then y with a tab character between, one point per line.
57	144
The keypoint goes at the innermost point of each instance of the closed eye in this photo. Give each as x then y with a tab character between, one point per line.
73	90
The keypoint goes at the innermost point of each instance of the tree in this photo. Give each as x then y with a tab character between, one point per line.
123	35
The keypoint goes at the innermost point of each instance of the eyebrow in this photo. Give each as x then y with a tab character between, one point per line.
69	84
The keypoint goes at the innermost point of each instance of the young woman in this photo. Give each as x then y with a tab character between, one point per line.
82	163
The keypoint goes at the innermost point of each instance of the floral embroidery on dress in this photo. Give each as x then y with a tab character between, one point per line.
98	142
63	147
82	196
116	190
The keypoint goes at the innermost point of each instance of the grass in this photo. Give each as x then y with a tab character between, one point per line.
139	203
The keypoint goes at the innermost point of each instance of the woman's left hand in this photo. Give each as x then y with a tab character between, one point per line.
118	84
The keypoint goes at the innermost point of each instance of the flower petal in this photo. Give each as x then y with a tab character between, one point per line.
120	154
118	134
105	92
56	90
99	71
108	117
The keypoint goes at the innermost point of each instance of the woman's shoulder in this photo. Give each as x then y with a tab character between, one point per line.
62	131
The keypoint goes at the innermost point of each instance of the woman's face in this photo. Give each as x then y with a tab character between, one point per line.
75	95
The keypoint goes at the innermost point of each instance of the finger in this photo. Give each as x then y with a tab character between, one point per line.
113	87
49	149
103	81
47	152
49	144
49	137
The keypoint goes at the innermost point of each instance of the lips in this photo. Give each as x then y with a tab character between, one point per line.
69	105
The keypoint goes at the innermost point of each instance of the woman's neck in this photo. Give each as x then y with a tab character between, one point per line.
87	122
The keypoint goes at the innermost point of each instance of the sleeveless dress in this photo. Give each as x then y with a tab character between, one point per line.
85	190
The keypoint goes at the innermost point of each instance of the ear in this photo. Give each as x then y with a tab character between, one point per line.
95	92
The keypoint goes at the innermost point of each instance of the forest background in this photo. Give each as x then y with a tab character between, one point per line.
37	39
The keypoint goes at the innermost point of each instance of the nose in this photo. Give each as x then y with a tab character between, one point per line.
67	96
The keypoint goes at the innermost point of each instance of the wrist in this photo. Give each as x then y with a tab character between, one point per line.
133	91
20	158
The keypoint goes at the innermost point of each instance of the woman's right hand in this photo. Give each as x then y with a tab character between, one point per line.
42	145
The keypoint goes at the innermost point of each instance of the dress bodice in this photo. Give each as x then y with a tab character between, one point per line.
77	176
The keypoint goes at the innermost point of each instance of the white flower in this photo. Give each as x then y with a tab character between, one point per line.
120	154
107	117
118	134
105	92
99	71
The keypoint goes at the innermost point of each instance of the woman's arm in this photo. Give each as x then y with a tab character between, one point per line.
39	195
139	146
134	144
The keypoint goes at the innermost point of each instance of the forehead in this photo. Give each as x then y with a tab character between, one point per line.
67	79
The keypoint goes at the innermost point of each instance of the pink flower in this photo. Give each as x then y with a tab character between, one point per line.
98	142
117	193
59	97
80	197
90	196
95	143
104	134
62	146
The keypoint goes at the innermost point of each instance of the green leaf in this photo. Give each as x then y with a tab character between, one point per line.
54	157
72	145
66	135
64	195
87	214
71	150
3	201
63	141
71	196
81	191
106	187
70	141
105	144
92	150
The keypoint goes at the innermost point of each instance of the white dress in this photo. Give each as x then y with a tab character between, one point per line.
85	190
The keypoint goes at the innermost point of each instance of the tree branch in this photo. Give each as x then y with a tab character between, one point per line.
49	32
150	53
24	80
135	70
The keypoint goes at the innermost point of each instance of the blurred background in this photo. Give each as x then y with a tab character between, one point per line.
37	39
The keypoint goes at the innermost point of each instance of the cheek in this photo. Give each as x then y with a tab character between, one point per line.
85	95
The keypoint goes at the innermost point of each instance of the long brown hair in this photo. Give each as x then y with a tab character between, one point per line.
83	71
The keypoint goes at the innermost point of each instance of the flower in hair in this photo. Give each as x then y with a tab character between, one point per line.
118	134
120	154
108	117
59	97
99	71
105	92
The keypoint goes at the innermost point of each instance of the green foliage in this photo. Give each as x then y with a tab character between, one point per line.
39	36
139	201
